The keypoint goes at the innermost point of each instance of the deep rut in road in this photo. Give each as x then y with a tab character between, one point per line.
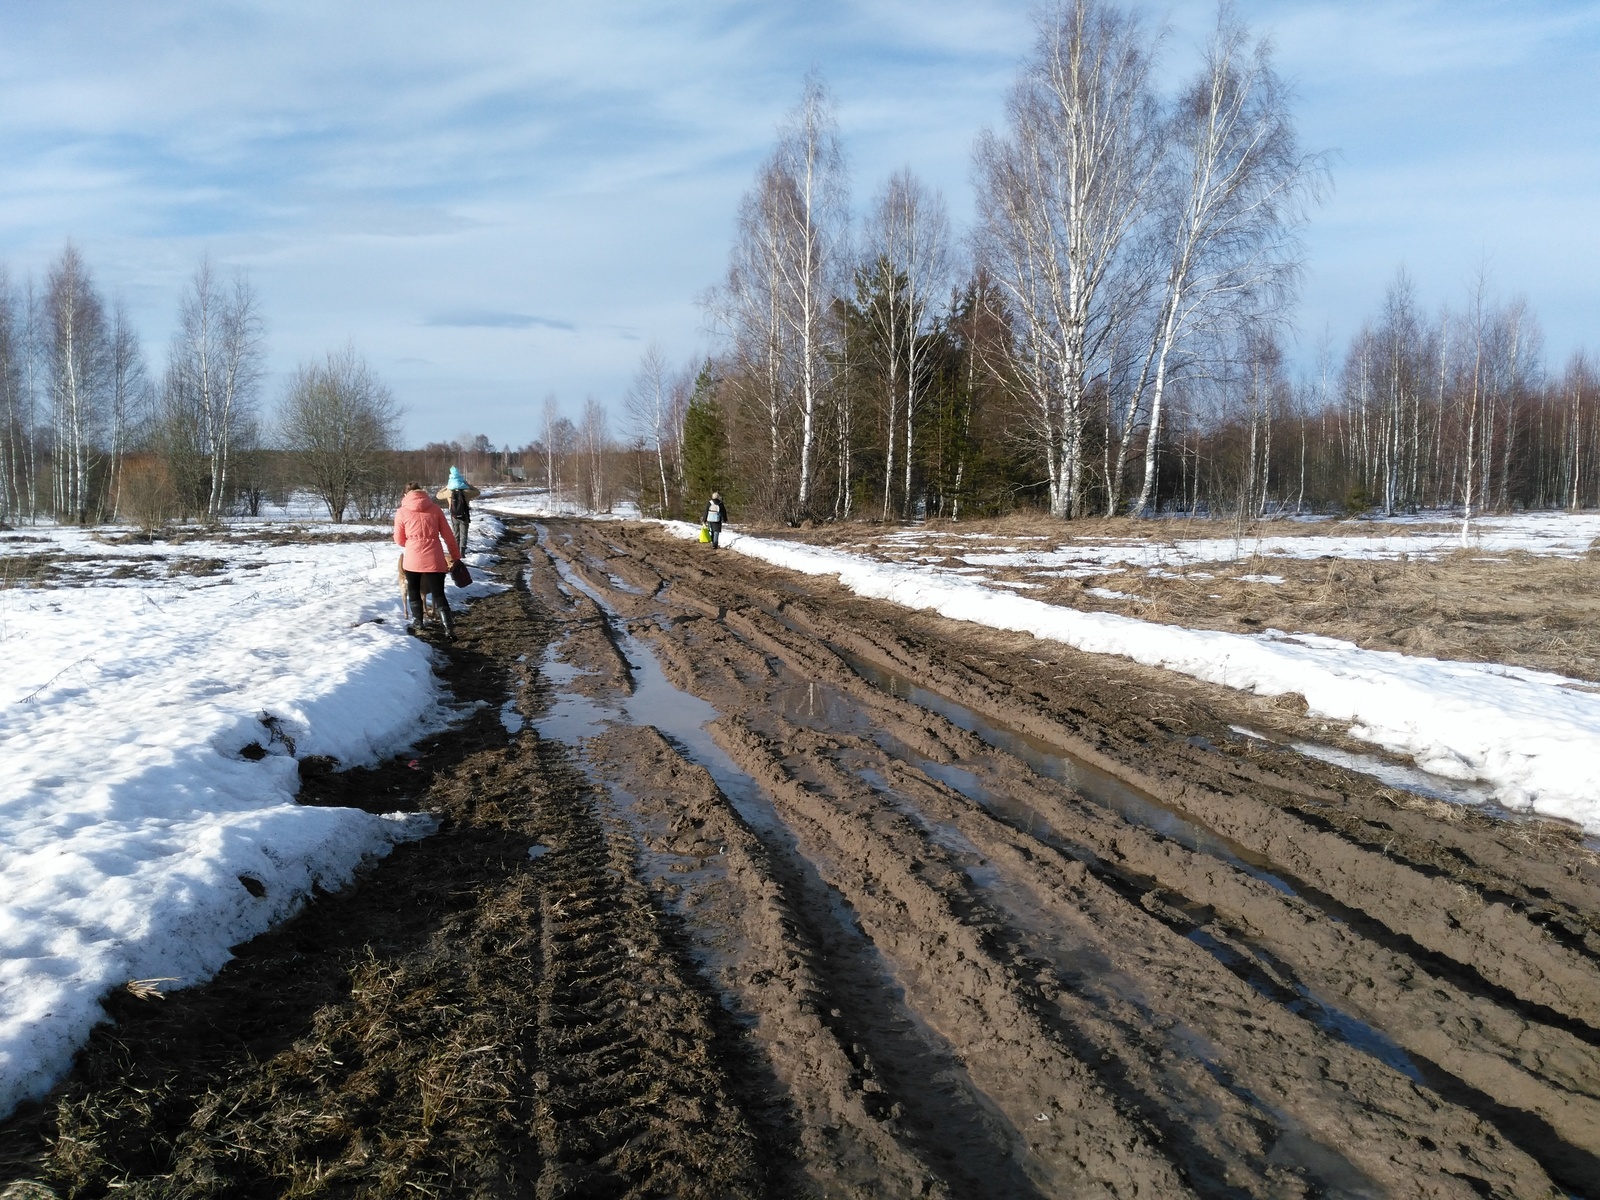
747	886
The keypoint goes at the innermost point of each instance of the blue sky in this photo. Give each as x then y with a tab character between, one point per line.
497	201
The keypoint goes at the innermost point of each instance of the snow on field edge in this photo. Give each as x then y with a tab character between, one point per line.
129	819
1530	735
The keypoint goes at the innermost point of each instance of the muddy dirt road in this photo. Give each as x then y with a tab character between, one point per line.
756	888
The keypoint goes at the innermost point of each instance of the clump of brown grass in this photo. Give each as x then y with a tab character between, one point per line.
1439	810
146	989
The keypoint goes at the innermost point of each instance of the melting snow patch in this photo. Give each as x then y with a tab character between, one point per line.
149	736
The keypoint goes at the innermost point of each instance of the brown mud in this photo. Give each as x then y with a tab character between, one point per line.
826	898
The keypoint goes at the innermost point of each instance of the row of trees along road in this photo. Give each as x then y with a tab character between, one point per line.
87	434
1107	337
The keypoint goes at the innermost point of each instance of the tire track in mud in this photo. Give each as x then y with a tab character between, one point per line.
1240	988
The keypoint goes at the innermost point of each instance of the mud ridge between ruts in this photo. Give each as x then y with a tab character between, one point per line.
1268	974
465	1020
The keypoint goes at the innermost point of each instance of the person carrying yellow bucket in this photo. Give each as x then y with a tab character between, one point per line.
716	516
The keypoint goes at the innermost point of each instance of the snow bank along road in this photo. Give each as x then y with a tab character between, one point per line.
155	701
1531	736
759	886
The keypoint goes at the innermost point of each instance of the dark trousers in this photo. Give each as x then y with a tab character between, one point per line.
458	526
433	583
716	532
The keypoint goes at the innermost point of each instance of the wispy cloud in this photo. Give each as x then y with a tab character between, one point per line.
497	320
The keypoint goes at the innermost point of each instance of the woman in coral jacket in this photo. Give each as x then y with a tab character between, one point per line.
419	528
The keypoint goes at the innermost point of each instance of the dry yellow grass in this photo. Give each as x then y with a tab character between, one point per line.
1514	608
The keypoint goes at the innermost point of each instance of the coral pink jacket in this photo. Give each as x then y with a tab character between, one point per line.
419	524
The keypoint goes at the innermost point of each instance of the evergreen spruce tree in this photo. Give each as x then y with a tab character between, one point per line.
705	442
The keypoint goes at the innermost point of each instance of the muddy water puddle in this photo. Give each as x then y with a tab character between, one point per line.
681	718
678	716
870	1005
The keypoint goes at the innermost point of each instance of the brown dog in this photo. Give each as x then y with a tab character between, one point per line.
405	596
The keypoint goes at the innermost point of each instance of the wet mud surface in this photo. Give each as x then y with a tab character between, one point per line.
746	886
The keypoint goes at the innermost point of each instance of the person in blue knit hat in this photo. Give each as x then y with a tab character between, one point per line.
457	496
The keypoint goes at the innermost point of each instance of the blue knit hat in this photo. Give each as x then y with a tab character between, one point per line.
458	481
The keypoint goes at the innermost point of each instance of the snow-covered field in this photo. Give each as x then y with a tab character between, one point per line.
1556	534
141	691
537	502
1532	737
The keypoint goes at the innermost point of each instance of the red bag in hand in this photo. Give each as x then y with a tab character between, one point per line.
459	575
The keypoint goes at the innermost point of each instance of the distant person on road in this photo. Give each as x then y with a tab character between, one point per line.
419	528
457	496
716	514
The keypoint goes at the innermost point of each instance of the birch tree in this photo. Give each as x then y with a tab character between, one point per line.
77	372
594	439
650	407
782	277
1471	396
551	417
215	369
911	240
1059	195
1234	190
750	307
809	154
880	310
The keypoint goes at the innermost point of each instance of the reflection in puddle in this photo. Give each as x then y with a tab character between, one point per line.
1404	777
678	716
557	671
1398	775
511	718
1401	776
1339	1025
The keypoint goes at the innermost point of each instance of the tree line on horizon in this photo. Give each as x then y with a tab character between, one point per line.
89	434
